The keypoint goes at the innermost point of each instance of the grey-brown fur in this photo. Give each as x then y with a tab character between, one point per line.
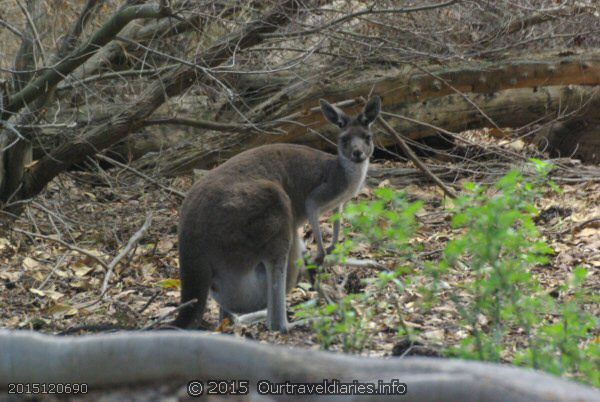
238	232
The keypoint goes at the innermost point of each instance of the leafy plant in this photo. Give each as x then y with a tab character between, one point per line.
497	247
388	221
500	245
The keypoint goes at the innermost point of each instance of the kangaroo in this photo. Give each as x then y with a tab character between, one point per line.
238	232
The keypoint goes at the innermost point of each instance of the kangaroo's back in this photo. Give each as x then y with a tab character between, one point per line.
231	186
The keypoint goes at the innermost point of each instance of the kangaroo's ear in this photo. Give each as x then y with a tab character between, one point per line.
333	114
371	111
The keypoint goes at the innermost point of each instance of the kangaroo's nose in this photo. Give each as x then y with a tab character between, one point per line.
357	154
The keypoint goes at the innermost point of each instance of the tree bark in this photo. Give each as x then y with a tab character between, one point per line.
151	358
414	85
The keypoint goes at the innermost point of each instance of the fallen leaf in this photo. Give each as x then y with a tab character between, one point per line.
165	245
169	284
81	270
61	310
10	276
30	263
52	294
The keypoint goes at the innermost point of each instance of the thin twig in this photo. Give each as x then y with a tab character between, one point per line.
132	242
149	302
358	14
169	314
11	28
64	243
115	74
204	124
34	31
409	152
142	175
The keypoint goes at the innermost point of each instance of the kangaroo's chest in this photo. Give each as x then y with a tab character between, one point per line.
355	175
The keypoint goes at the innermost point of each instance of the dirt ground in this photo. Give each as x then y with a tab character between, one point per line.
52	283
54	260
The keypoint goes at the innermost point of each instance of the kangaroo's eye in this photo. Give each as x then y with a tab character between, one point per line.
345	140
368	137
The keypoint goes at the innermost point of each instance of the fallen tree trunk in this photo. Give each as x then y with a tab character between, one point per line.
455	113
414	85
509	93
137	358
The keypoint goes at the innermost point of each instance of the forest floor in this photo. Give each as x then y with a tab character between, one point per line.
52	283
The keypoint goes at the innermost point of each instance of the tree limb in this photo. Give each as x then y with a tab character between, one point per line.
119	126
48	80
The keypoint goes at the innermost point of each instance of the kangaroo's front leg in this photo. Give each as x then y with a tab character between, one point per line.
336	230
312	211
276	310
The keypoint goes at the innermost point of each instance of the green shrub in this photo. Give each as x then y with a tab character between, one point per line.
497	246
387	222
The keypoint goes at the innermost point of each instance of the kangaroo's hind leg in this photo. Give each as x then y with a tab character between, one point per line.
276	254
295	262
276	284
276	267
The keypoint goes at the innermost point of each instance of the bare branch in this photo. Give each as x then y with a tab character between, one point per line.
173	84
142	175
32	5
106	33
68	42
115	74
11	28
66	244
132	242
203	124
408	151
359	14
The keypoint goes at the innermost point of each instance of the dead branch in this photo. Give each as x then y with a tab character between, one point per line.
203	124
413	157
119	126
357	14
48	80
142	175
168	314
68	43
132	242
66	244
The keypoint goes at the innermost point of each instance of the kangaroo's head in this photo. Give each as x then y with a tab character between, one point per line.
355	141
